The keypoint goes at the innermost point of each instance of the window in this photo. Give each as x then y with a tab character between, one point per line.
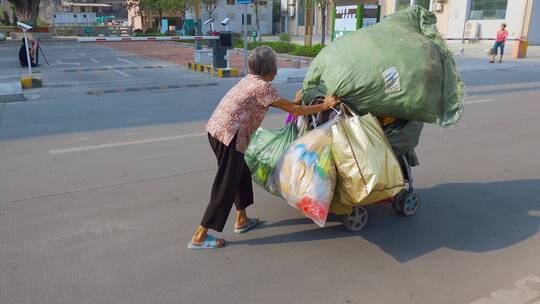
423	3
301	13
248	19
231	2
488	9
403	4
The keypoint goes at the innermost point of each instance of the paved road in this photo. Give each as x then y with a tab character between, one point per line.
100	192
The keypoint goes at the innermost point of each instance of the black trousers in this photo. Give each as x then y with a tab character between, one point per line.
231	185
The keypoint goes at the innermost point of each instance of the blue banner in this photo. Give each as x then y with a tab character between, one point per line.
164	26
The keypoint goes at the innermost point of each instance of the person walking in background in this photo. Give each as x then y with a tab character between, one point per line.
502	35
236	117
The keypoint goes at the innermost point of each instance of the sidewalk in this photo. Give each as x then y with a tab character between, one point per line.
182	54
477	49
469	57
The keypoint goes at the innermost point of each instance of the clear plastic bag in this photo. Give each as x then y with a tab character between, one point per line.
305	176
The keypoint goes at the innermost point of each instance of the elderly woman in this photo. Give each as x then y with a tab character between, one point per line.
237	116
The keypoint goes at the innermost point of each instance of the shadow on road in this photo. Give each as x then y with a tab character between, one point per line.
473	217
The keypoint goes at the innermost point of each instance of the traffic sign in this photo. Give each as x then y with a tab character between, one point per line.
244	1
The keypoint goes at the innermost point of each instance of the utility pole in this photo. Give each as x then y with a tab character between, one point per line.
198	26
520	50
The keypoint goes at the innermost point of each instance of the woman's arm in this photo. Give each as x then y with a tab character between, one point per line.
300	110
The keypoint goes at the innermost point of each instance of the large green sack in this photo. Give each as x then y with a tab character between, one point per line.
264	151
400	67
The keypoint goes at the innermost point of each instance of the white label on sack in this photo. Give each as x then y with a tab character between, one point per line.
391	80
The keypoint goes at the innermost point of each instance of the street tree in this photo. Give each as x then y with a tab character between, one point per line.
148	7
137	9
210	6
26	10
258	5
323	8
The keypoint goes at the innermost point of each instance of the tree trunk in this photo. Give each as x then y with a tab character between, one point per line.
323	30
258	23
308	39
34	11
160	18
27	10
143	24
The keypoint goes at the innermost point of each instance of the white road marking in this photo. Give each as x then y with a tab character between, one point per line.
121	73
137	120
126	143
479	101
527	291
60	62
82	54
94	60
125	61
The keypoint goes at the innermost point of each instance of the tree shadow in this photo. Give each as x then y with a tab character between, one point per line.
473	217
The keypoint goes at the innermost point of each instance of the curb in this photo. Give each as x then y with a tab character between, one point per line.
29	82
296	79
208	69
11	92
285	57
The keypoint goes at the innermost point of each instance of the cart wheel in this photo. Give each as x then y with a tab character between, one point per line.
396	202
409	203
357	220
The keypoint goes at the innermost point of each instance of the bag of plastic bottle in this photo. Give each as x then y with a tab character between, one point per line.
305	176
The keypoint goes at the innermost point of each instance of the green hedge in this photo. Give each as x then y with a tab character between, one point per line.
149	34
278	47
307	51
284	48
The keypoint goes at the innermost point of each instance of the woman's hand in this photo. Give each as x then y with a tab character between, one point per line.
330	102
298	97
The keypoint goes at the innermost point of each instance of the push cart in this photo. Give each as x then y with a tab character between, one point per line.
403	137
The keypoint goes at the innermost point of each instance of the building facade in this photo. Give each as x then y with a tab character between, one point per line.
226	9
456	19
235	13
478	19
293	15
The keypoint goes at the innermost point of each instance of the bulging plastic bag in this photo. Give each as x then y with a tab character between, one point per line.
305	176
399	67
264	150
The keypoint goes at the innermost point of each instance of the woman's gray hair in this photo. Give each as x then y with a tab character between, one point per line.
262	61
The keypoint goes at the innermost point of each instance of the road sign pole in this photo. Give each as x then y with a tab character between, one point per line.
245	39
28	60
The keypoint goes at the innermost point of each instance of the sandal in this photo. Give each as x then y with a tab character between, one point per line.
210	242
252	222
